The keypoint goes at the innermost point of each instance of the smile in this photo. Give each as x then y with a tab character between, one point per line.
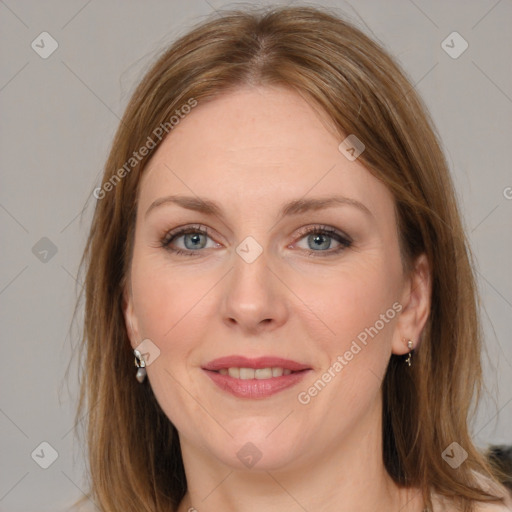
255	378
251	373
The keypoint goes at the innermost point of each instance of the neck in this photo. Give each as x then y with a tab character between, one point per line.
346	476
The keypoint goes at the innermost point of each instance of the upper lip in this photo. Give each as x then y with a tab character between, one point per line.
256	363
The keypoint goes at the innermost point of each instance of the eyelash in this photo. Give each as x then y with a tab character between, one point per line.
344	242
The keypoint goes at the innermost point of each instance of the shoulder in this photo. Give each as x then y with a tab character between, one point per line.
442	504
497	490
493	507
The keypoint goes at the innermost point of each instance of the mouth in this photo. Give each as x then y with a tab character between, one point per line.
255	373
255	378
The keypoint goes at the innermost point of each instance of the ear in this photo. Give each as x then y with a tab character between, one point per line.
415	301
130	319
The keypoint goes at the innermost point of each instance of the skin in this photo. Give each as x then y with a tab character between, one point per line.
252	150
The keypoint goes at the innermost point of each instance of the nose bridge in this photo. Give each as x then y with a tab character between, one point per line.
253	294
251	280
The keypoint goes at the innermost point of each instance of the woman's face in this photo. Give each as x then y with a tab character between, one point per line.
253	281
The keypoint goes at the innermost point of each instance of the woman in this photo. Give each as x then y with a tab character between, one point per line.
280	303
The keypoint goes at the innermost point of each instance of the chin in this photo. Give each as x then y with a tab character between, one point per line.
259	456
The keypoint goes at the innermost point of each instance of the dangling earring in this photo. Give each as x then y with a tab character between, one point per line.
141	366
409	357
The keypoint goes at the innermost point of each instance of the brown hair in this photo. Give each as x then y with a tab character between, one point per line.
134	453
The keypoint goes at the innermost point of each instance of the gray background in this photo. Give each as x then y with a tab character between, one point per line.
59	115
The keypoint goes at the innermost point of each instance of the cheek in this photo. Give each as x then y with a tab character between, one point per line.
358	307
356	304
353	298
165	298
171	310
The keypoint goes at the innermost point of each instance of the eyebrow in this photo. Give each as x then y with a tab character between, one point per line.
295	207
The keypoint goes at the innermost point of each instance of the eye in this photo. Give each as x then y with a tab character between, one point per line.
319	240
194	238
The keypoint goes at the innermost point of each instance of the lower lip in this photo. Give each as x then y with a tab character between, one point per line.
255	388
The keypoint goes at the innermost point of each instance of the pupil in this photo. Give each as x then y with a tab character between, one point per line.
318	238
195	239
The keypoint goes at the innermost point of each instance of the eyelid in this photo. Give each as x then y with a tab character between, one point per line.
344	241
306	230
183	230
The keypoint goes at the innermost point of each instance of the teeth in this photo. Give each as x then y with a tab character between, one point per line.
251	373
263	373
234	372
277	372
246	373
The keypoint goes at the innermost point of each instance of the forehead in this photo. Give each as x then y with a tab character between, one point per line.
257	148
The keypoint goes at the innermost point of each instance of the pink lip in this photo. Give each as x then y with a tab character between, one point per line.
260	362
255	388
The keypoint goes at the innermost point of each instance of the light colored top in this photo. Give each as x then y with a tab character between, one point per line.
442	505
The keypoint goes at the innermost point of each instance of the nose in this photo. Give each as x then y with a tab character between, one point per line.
255	299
